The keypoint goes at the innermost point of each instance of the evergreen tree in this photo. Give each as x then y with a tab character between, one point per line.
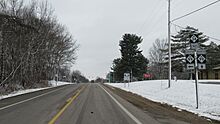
131	59
118	70
181	42
213	56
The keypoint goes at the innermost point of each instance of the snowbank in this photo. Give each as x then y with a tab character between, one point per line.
51	84
15	93
181	94
54	83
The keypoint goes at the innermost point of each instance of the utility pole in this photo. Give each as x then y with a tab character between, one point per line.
2	57
169	44
196	80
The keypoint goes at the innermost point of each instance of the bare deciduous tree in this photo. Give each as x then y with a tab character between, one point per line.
157	59
33	45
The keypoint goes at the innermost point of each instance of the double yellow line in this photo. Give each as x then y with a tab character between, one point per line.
69	101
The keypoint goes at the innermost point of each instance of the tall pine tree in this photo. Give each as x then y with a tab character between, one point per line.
181	42
213	56
131	59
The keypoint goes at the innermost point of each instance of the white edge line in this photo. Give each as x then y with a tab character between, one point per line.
122	107
8	106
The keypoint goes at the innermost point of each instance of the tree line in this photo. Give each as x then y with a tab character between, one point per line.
34	46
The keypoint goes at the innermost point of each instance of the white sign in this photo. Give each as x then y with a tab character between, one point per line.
194	39
126	76
201	51
190	58
202	66
201	58
194	46
190	66
194	42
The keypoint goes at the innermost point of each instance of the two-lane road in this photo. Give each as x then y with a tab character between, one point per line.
96	105
72	104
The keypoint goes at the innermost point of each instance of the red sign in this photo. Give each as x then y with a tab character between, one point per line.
147	75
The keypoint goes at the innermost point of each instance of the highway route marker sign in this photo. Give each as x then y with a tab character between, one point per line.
127	77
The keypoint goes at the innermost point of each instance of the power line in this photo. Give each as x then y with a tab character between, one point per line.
155	23
154	27
149	19
217	39
213	38
195	10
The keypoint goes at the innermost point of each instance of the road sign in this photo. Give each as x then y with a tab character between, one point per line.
190	60
194	46
201	56
126	76
194	41
190	57
196	61
147	75
201	51
201	66
189	51
190	66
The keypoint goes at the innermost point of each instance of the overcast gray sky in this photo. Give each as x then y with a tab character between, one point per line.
98	25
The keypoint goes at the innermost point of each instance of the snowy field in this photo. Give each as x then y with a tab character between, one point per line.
180	95
51	83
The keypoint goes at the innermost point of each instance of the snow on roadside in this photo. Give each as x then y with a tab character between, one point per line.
20	92
15	93
54	83
180	95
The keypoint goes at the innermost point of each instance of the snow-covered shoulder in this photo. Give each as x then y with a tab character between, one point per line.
181	94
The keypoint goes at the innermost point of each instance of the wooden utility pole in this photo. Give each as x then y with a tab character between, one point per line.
169	44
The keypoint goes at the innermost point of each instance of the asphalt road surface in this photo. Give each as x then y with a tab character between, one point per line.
35	108
72	104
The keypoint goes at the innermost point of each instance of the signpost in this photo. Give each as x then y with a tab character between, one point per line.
195	59
196	81
127	78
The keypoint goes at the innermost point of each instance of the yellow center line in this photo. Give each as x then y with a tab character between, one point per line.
69	101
